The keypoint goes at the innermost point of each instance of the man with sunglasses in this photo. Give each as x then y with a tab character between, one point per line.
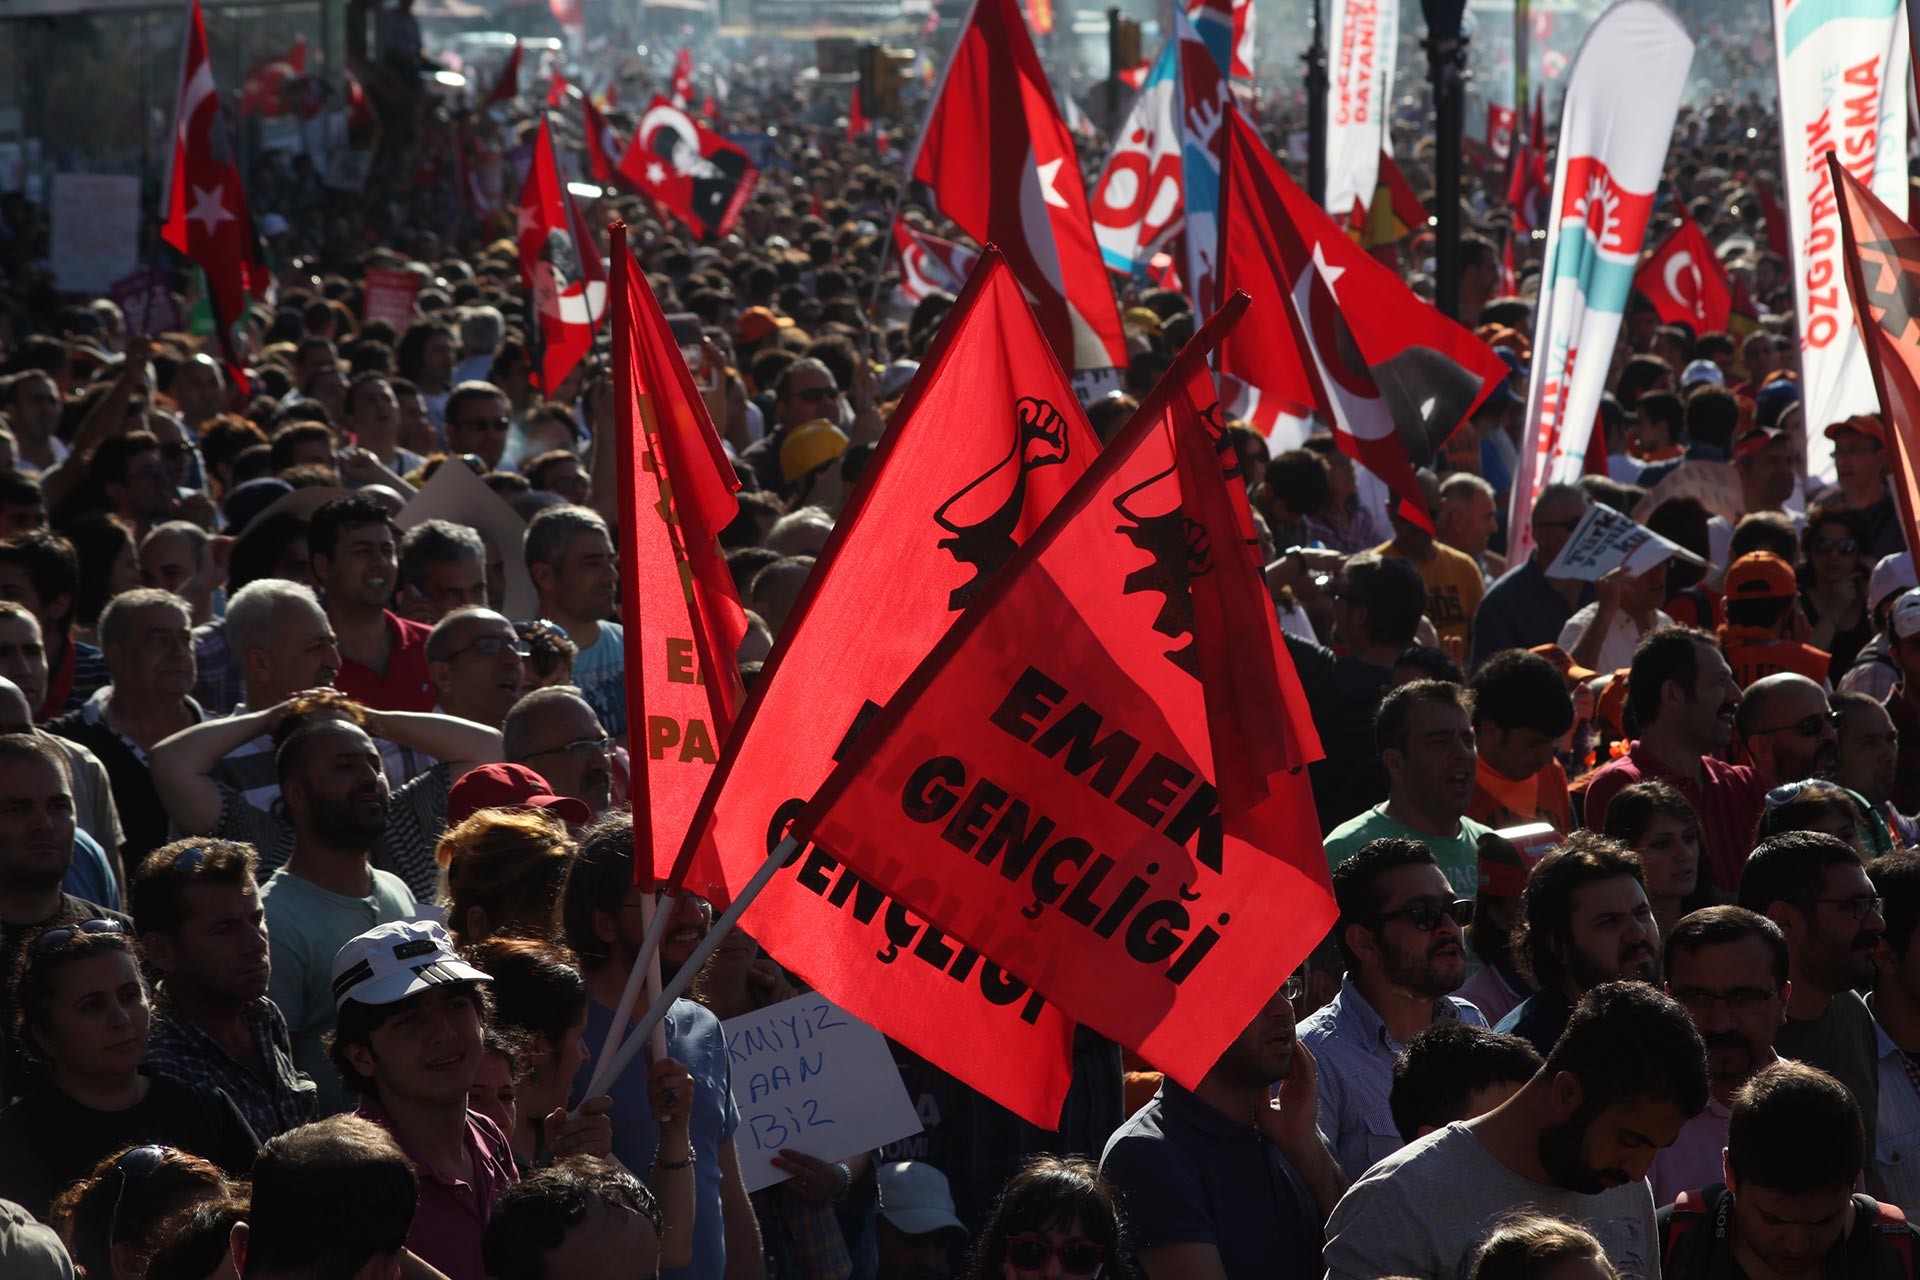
1813	887
478	419
474	659
554	732
806	390
1728	969
1400	933
1788	727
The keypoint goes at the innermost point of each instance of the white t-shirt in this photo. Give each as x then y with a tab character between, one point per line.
1623	637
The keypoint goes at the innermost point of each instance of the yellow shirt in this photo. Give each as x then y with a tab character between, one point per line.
1454	589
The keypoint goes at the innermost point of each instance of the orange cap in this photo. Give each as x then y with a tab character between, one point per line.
1865	424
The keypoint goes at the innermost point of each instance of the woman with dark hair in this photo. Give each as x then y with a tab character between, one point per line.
81	1008
111	1222
1656	822
1542	1248
1057	1217
1819	805
1833	573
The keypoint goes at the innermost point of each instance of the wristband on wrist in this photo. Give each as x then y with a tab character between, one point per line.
687	1163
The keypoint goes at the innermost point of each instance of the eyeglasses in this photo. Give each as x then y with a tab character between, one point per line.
66	933
491	647
500	423
190	859
1845	546
580	748
1077	1257
176	452
813	395
1805	726
139	1162
1294	987
1858	907
1738	1000
1426	916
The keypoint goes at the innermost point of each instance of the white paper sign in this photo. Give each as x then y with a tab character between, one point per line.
1604	540
95	233
454	493
808	1076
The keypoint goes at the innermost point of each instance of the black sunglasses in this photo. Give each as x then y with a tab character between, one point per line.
136	1162
491	646
1805	726
1845	546
54	937
812	394
1426	916
1077	1257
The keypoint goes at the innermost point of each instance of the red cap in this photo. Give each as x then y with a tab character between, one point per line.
1864	424
1760	575
510	786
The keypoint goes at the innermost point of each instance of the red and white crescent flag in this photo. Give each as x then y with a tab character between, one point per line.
560	267
929	264
1685	282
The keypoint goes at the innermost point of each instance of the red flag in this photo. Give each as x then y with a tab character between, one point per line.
359	108
1095	777
1685	282
1500	122
1776	219
1001	164
683	618
700	177
1395	214
556	87
559	265
1883	268
1393	375
261	91
683	79
506	86
856	118
929	264
1134	77
937	512
1509	278
814	209
603	144
1530	192
207	217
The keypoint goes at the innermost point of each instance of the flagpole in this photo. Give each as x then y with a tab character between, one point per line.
609	1069
645	972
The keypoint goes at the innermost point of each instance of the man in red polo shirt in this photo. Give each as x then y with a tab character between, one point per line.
355	558
1682	698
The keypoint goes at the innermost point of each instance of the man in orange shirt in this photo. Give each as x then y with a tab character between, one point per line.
1521	710
1766	632
1454	582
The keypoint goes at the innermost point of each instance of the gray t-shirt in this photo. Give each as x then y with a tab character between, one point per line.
1424	1209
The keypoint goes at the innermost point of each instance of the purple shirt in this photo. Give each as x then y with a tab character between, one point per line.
1694	1159
450	1218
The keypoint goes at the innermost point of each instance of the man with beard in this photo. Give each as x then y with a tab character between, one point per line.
1787	1207
1399	932
1231	1179
1574	1143
1813	886
1867	748
555	732
1788	727
1895	1004
329	892
1426	742
1585	921
203	930
1682	697
1728	969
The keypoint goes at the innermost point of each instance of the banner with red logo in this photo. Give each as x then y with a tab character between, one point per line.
1612	148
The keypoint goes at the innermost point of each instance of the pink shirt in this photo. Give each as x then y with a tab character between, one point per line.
450	1219
1694	1159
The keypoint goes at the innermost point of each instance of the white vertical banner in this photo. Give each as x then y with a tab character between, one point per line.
1843	72
1362	39
1613	145
1136	202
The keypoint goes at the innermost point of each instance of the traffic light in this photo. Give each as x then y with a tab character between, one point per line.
1123	43
882	73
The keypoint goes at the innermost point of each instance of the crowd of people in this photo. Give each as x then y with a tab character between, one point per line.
317	864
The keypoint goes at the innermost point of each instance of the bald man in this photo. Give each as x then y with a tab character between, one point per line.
1788	727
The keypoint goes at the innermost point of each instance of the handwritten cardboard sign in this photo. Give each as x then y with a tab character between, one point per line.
808	1076
1605	540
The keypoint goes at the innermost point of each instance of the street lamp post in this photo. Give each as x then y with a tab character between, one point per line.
1316	59
1446	68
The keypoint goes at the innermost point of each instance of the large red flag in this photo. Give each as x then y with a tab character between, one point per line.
1685	282
603	144
1001	164
683	618
1883	268
697	175
1393	375
1095	777
987	438
207	217
506	86
560	267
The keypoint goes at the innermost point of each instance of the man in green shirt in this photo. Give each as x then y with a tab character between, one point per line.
1425	739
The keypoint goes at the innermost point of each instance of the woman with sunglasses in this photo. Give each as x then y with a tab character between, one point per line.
81	1009
1833	584
111	1222
1828	807
1058	1217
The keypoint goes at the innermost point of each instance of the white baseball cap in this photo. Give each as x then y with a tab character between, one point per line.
1891	576
915	1198
390	962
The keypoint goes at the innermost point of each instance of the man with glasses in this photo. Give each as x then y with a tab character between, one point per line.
1895	1004
555	732
1400	933
474	661
1788	727
1728	969
478	419
1585	922
805	391
1525	607
1812	885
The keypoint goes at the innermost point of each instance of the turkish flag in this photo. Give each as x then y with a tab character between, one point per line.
700	177
1883	268
1778	239
560	267
683	618
1685	282
1500	122
506	86
207	217
683	79
1095	779
1393	375
929	264
1001	164
603	144
937	512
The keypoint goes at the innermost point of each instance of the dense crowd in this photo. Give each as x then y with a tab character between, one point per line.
317	866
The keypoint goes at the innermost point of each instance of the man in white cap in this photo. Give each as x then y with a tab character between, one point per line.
1903	704
919	1234
1874	671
